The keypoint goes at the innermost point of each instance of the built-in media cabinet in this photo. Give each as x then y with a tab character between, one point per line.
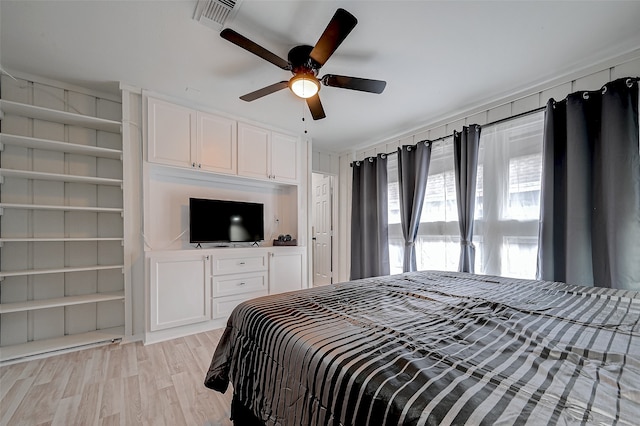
193	154
189	287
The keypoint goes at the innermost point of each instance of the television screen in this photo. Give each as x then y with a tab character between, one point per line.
219	221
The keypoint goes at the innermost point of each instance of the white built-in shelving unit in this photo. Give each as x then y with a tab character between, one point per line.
61	219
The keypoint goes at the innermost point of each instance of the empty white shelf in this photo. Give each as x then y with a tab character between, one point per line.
58	270
56	240
27	174
48	114
58	207
57	302
39	347
51	145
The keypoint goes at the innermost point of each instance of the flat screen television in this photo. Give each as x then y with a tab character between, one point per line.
220	221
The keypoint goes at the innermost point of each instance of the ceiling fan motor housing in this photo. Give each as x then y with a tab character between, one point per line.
301	62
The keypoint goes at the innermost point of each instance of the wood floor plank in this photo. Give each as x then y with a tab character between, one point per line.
111	401
147	388
89	408
129	365
76	379
133	401
112	420
65	413
38	406
11	373
114	363
14	398
126	384
96	367
160	364
169	405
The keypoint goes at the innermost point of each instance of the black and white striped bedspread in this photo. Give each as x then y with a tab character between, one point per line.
435	348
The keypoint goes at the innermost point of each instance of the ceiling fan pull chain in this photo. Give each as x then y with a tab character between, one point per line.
304	122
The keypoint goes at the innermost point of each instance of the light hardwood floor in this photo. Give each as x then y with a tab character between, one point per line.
119	384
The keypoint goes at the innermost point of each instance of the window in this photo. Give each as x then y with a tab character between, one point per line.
507	203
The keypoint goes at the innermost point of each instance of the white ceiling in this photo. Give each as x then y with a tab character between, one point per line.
438	57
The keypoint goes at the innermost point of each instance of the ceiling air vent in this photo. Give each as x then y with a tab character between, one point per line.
216	13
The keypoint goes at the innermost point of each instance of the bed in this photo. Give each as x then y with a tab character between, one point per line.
433	348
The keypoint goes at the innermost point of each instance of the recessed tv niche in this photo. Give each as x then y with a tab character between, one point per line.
221	221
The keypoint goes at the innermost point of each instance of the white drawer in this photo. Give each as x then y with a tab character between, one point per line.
237	264
228	285
223	306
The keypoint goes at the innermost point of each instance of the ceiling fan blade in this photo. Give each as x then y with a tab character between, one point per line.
315	106
354	83
338	29
245	43
265	91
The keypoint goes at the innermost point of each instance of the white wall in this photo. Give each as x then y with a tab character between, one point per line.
588	79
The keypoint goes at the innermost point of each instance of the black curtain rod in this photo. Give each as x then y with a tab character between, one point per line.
522	114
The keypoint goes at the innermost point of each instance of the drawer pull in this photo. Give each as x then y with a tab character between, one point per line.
241	263
242	283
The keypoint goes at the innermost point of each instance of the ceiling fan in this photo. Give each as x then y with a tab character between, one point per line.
305	62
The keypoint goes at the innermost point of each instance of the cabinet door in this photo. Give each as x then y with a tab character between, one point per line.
170	130
284	157
253	151
216	146
179	290
287	270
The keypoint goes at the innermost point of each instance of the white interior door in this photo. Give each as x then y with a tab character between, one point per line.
322	229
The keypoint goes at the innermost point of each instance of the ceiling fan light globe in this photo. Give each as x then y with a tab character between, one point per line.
304	86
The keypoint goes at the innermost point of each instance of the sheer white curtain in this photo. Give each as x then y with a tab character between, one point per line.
508	197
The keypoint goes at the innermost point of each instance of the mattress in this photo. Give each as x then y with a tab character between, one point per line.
433	347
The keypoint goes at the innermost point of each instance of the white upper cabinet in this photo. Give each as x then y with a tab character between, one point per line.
284	157
267	155
183	137
216	143
253	151
170	131
180	136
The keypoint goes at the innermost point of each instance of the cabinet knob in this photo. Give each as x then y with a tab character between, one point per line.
193	164
199	165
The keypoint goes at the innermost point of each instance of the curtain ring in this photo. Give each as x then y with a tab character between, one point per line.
629	83
371	159
604	89
585	95
408	148
426	143
357	163
383	156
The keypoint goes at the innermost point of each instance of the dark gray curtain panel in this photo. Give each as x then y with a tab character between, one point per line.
369	218
413	169
590	201
466	145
